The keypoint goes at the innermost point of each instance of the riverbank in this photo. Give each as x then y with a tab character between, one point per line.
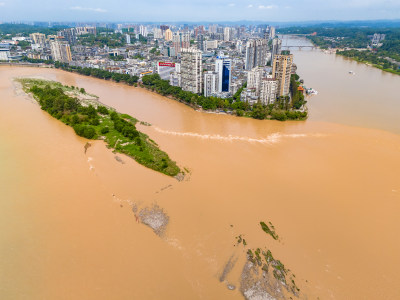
368	58
360	55
84	113
282	109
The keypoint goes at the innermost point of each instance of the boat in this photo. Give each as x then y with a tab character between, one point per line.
352	73
311	91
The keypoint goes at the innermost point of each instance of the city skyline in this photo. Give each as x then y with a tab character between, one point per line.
197	11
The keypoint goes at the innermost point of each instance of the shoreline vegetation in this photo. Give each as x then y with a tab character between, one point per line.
92	120
355	43
285	108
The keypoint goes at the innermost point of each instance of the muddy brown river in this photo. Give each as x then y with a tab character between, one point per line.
330	185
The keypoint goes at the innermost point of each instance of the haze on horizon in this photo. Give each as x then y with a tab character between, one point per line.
197	11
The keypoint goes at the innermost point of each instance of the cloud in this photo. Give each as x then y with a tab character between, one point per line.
267	6
231	4
100	10
2	3
250	6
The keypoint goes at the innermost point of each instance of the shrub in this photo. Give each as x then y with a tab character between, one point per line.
105	130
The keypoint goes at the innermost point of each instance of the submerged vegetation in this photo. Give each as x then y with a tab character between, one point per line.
268	230
263	275
89	119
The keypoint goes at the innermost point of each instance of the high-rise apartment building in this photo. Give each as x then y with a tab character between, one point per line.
281	70
191	70
128	39
227	34
254	78
85	30
38	38
276	48
223	66
60	51
210	83
168	35
69	34
256	53
158	33
143	30
268	91
200	42
181	40
272	33
212	28
210	45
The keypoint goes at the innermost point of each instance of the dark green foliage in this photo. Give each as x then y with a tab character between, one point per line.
37	61
126	128
269	230
112	40
259	111
68	110
105	130
102	110
24	44
102	74
24	30
85	131
297	96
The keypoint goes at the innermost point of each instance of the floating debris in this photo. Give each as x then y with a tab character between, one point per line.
119	159
87	146
155	218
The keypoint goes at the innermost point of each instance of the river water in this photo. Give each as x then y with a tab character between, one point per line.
330	185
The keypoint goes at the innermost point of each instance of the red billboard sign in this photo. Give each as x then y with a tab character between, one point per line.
166	64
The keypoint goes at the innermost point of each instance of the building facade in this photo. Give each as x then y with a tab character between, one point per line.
281	70
191	70
181	40
223	67
210	83
168	35
256	53
38	38
60	51
164	69
254	79
268	90
276	48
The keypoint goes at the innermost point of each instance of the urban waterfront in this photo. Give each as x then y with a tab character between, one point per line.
329	185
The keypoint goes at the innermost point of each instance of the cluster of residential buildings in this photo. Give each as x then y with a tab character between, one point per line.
212	60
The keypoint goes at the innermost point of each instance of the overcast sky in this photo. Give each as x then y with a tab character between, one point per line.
197	10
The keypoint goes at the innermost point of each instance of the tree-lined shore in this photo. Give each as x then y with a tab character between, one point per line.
91	120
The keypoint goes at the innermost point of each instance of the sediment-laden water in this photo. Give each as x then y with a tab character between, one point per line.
330	185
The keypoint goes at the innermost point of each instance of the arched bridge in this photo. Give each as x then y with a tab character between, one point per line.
298	47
